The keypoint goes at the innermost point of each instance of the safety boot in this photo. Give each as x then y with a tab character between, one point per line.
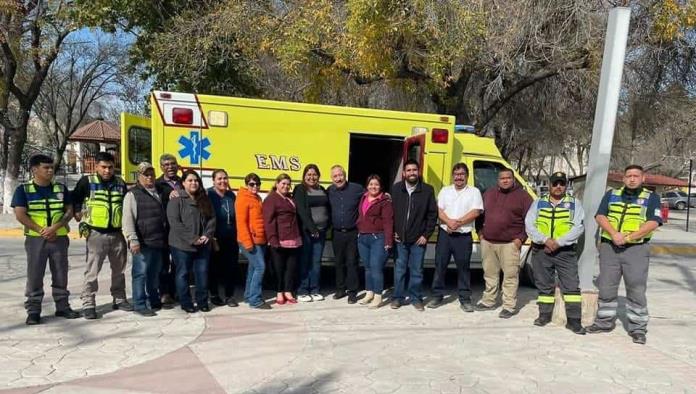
543	319
575	326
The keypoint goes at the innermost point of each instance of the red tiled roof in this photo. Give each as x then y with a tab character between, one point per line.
97	131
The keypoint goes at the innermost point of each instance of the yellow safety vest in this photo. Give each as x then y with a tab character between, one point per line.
105	203
628	217
555	221
45	210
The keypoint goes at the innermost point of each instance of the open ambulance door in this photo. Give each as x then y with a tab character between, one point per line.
136	144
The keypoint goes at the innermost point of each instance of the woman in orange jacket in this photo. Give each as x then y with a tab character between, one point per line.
252	239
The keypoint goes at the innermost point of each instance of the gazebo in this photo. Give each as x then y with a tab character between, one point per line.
88	140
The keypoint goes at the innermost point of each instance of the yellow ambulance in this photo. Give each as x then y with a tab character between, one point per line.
270	137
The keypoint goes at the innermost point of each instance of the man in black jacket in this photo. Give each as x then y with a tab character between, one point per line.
415	217
169	182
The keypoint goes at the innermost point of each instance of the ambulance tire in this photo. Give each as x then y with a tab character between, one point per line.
527	272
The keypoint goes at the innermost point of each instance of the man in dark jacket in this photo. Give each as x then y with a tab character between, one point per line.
168	185
415	217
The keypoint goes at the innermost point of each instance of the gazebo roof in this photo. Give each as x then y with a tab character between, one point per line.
97	131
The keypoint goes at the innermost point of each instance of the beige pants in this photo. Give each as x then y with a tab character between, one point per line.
99	247
497	257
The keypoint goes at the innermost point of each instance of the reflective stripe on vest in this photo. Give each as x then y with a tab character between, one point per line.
45	210
627	217
105	203
555	221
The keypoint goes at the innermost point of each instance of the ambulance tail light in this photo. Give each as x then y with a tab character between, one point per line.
440	136
182	115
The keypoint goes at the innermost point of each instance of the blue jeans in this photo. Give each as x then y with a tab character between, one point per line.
196	262
253	291
373	255
409	257
310	263
145	271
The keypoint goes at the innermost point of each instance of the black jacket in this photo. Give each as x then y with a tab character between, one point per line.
420	208
151	223
304	211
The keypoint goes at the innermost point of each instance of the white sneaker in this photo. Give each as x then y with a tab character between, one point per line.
305	298
317	297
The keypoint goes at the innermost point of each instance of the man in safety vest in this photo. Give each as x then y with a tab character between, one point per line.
44	208
554	223
98	200
627	218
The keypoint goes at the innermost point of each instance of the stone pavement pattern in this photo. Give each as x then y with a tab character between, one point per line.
330	346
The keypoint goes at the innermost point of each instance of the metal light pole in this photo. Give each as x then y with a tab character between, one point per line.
688	197
603	135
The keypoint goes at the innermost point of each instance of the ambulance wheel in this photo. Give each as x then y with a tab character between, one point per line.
527	273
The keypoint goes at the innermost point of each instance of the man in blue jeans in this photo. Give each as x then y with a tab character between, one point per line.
415	217
144	226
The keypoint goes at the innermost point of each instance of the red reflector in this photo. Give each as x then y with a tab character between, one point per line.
440	136
182	115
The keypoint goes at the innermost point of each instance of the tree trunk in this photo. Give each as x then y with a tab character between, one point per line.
3	164
60	151
14	164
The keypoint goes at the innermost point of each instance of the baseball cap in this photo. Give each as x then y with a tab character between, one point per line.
558	176
144	166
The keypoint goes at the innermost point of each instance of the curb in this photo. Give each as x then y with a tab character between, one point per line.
673	249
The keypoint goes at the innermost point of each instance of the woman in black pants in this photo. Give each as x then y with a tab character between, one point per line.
284	237
223	271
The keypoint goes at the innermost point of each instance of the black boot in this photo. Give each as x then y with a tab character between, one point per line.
575	326
543	319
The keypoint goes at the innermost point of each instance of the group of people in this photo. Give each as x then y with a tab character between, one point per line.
178	233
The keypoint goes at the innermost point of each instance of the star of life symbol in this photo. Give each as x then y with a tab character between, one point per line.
194	147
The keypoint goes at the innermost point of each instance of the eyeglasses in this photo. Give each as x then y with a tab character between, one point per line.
254	184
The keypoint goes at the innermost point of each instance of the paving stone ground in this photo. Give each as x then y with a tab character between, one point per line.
332	347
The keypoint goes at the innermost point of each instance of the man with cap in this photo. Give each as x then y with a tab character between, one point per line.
627	217
554	223
43	207
144	225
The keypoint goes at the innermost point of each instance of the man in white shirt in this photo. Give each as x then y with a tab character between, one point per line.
458	207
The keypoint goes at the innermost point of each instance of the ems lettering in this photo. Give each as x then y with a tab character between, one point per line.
262	162
277	162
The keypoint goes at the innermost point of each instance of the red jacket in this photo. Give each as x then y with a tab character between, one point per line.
280	219
379	218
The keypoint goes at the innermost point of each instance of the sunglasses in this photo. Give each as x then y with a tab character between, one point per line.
559	183
254	184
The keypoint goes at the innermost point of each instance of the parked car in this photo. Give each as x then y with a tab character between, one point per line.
677	200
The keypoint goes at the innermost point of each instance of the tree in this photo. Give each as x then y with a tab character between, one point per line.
83	74
31	34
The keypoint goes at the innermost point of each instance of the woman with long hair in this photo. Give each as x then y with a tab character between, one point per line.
313	209
283	234
375	238
252	239
223	263
192	227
